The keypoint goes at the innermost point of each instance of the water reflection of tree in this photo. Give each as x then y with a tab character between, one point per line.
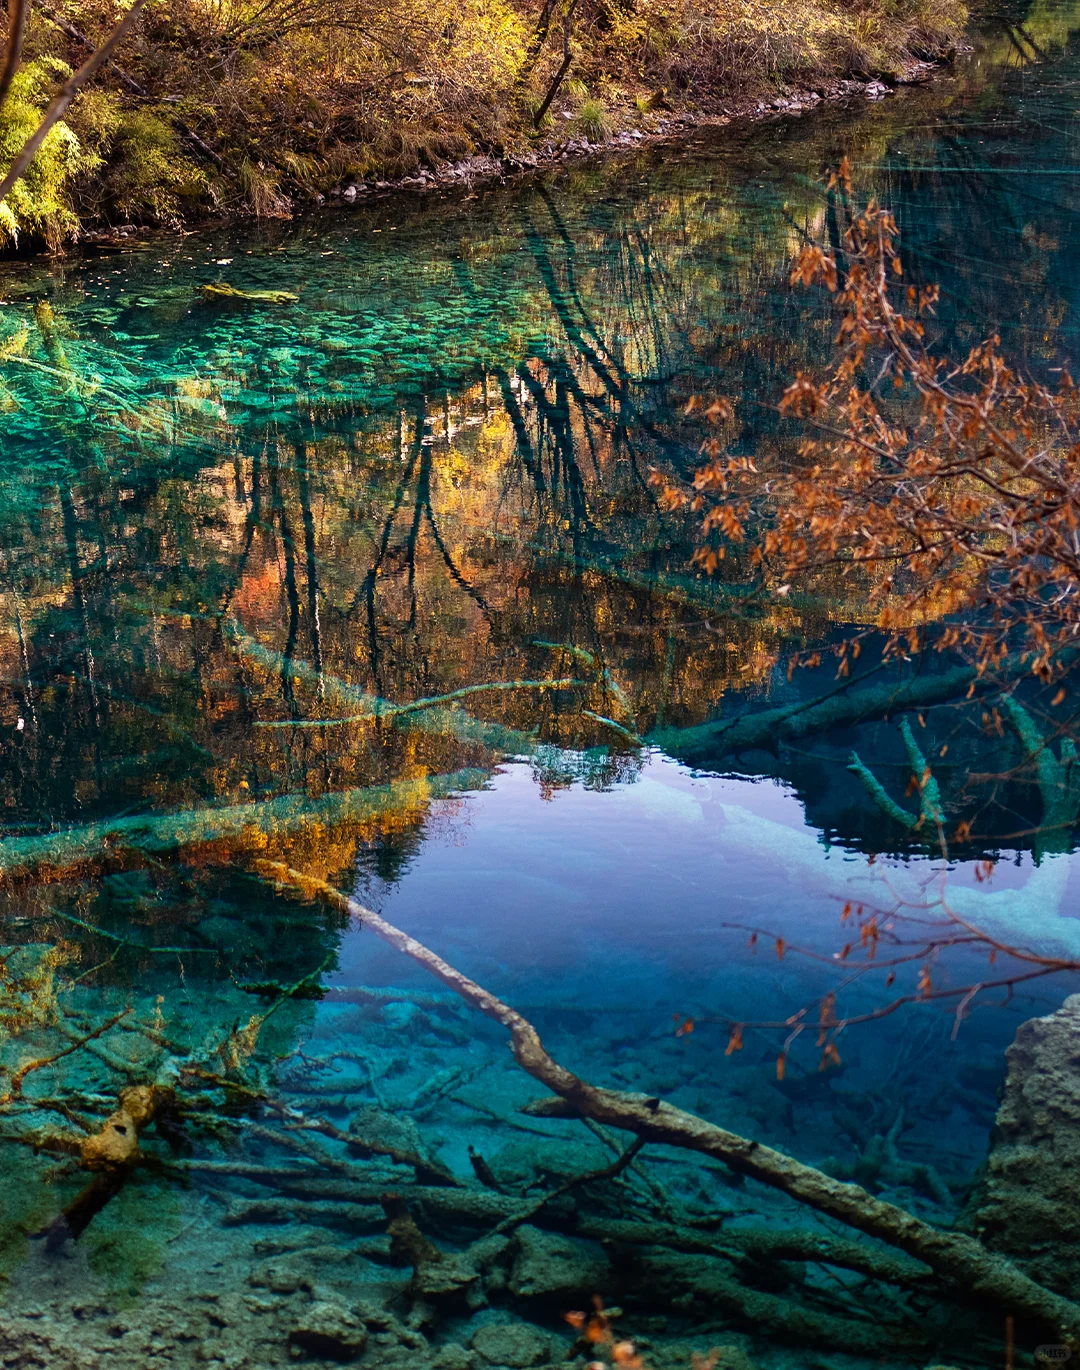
167	598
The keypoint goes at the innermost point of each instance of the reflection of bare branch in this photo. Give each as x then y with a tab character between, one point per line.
397	710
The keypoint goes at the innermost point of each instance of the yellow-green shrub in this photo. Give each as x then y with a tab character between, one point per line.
142	172
39	203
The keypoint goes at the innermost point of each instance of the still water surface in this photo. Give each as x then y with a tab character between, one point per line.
234	535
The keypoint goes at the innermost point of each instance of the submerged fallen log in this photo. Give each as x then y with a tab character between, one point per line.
840	708
251	826
964	1267
338	1203
222	290
843	706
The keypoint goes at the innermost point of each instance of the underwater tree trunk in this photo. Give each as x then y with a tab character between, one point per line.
965	1267
839	708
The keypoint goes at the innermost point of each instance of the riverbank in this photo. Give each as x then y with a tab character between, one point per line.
484	168
235	116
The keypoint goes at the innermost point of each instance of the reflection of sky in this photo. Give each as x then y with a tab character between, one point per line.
619	898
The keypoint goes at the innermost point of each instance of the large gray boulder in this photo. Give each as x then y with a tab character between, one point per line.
1027	1205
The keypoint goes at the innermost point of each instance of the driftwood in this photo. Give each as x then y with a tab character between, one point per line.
222	290
964	1267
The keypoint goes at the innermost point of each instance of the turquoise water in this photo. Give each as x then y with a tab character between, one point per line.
238	536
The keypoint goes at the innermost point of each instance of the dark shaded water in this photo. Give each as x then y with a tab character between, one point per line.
235	534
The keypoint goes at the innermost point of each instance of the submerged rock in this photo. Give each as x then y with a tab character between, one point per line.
731	1358
1027	1205
229	935
453	1356
550	1266
331	1331
517	1344
533	1162
282	1276
373	1129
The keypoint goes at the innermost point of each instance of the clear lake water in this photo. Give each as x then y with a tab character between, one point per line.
238	536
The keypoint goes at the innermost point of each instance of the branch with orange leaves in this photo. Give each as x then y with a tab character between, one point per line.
962	1265
876	926
945	489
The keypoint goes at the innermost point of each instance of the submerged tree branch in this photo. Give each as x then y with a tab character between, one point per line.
962	1263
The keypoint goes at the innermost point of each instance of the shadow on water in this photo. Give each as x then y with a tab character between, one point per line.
374	582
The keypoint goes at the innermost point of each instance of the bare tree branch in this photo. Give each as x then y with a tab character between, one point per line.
13	48
962	1263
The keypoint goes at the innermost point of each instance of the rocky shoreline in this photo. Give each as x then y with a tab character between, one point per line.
481	168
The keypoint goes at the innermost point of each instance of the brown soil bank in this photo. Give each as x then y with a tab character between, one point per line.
251	107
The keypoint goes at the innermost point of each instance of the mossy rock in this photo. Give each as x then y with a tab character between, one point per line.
222	290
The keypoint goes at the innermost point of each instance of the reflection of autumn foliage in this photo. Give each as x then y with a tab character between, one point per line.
946	493
947	489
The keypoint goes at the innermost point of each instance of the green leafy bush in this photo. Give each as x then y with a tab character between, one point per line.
39	204
142	173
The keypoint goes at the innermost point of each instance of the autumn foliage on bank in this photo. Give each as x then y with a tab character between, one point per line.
254	107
